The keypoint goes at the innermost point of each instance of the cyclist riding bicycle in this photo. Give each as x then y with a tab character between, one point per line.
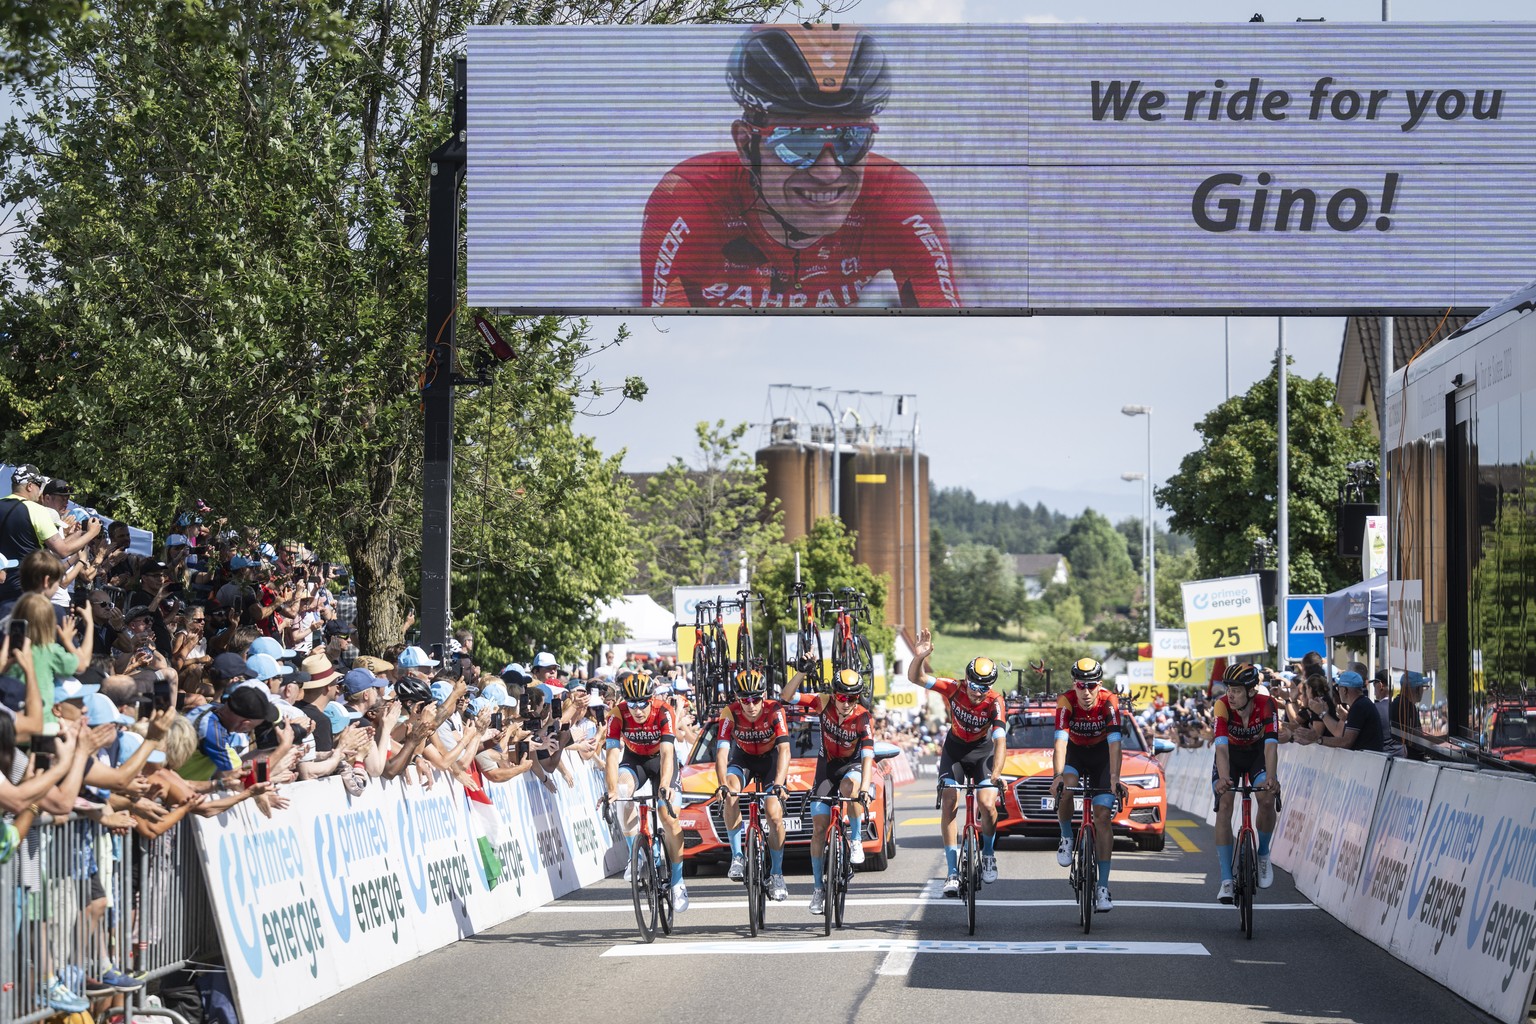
1247	746
1088	748
799	213
640	750
753	745
847	751
973	752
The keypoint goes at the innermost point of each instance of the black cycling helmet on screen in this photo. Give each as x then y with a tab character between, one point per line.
1241	673
800	72
1087	670
981	672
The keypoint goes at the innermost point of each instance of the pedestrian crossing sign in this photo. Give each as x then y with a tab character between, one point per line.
1304	625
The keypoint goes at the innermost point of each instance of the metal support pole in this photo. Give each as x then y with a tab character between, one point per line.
917	532
437	395
1282	503
1151	541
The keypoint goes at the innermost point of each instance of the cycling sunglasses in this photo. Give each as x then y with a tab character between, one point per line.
845	698
1086	684
752	698
638	704
800	146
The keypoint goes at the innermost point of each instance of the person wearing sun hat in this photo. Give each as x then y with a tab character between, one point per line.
319	690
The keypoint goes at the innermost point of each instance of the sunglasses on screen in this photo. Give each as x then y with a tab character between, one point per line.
801	146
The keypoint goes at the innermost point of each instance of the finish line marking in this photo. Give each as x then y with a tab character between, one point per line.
912	901
904	947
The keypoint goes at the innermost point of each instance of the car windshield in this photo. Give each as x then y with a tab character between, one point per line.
1028	730
804	740
1513	729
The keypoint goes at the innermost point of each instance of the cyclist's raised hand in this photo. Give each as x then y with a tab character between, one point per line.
924	645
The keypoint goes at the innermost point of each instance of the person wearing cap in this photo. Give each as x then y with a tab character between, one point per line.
338	644
243	708
1407	719
25	526
1360	729
546	673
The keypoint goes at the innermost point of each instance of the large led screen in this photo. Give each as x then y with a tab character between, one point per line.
1001	169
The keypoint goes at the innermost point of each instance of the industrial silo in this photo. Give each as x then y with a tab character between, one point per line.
799	477
878	503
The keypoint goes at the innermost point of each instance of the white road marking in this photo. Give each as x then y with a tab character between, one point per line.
911	946
906	901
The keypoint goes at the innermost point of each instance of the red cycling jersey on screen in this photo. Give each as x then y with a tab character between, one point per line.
704	243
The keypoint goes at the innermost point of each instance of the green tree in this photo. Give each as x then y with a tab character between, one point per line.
1223	495
1503	608
826	563
1069	613
219	274
695	522
1102	574
974	589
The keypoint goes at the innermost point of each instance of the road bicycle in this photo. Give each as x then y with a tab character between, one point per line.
837	867
970	855
1245	868
807	637
1084	876
850	648
650	870
755	853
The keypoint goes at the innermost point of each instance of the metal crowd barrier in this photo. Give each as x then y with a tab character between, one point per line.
77	901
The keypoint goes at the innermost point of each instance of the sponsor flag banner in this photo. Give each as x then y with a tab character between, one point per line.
954	168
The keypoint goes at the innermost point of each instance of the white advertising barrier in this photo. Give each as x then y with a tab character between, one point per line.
1189	779
1302	782
1393	850
1356	786
1468	914
335	889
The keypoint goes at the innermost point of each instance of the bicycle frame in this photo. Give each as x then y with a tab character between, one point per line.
1085	857
1245	877
650	869
970	854
838	868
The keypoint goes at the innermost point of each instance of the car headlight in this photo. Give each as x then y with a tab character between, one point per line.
690	799
1142	781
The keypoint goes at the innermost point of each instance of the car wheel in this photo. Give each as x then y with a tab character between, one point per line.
690	868
890	827
1151	842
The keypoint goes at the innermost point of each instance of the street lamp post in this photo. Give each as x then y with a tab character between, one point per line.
1146	410
1146	539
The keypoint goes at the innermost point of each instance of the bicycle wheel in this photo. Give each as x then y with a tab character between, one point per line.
662	868
863	658
744	650
1247	878
1088	871
844	871
970	877
840	653
829	876
755	881
642	885
698	672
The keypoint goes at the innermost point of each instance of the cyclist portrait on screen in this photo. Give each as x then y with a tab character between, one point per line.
802	212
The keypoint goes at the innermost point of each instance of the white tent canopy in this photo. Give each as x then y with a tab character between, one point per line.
642	618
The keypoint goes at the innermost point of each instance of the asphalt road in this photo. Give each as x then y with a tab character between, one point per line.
1168	952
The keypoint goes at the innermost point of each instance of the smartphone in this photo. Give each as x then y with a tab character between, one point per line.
80	597
44	745
18	632
496	720
261	772
556	708
522	749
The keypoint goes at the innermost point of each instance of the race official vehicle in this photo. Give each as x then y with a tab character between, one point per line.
1027	808
704	838
1510	734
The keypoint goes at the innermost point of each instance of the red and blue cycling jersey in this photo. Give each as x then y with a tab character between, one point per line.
972	718
1086	724
645	737
842	737
1262	725
703	243
753	736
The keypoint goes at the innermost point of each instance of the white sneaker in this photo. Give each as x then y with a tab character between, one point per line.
1064	852
818	901
988	869
952	885
1224	894
737	869
1102	904
777	890
1266	873
679	897
626	870
856	853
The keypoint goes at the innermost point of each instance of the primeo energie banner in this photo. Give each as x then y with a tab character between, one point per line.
1002	168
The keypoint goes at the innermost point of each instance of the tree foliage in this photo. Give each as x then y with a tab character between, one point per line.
1102	574
1015	529
219	279
973	588
826	563
1223	495
695	522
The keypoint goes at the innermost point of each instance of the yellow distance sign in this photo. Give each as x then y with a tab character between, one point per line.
1143	694
1224	638
1178	671
904	700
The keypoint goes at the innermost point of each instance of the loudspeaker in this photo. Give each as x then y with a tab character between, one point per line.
1267	584
1352	526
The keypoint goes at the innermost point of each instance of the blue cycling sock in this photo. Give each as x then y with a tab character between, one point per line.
776	860
735	837
856	825
816	865
1224	856
952	858
1104	873
988	838
677	873
629	841
1264	838
1066	826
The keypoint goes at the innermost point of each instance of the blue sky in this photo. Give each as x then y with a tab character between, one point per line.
1024	408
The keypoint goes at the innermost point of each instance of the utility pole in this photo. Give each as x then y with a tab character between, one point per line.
1282	505
437	394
